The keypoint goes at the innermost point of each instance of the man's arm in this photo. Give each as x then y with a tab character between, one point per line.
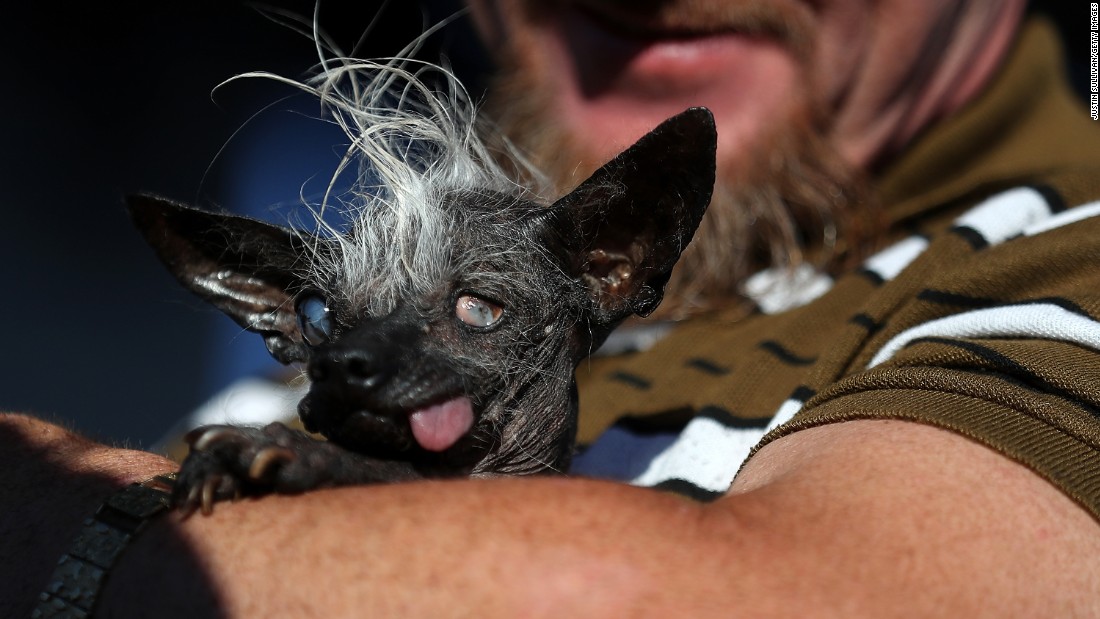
50	481
866	518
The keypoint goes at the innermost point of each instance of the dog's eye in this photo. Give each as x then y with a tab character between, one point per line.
477	312
314	319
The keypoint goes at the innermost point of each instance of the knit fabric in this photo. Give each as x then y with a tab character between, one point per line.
982	318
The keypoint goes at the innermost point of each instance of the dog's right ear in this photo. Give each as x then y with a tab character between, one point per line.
245	268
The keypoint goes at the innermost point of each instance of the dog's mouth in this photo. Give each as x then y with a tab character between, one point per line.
439	426
434	429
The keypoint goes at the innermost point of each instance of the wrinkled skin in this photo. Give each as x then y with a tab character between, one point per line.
472	376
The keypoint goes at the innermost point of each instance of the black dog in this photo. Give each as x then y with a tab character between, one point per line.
442	331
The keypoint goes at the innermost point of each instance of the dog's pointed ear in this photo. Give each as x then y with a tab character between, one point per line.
625	227
245	268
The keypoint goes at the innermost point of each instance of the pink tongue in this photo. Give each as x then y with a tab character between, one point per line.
438	427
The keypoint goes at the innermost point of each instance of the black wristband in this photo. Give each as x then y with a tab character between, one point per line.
79	576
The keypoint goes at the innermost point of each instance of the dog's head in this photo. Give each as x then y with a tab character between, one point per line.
450	339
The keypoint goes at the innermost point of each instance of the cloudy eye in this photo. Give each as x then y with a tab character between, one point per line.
314	319
477	312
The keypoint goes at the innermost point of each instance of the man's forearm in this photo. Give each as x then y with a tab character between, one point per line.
869	519
503	548
429	547
861	519
52	480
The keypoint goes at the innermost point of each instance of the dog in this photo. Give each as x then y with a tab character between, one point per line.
441	330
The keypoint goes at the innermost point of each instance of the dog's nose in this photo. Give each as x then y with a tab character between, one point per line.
352	368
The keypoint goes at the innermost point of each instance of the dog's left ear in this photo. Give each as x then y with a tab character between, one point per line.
625	227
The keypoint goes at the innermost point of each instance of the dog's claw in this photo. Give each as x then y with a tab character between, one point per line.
202	438
209	492
187	505
227	462
268	458
190	503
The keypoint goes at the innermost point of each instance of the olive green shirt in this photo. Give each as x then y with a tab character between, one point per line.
983	318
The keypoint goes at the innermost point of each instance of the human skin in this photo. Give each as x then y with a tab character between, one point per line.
881	69
868	518
863	519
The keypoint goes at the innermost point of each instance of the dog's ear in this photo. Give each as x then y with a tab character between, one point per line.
624	227
245	268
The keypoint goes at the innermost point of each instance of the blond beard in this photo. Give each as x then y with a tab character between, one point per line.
796	203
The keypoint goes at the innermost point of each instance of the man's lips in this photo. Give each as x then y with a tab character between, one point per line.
609	84
680	63
653	58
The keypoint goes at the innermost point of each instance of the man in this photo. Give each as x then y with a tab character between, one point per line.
930	473
827	95
858	116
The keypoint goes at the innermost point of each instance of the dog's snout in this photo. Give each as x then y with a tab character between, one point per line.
354	368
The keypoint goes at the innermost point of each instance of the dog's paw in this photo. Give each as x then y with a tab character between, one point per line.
226	462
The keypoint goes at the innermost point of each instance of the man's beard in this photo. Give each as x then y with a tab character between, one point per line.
796	202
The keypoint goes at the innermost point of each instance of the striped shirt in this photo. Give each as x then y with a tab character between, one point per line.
982	317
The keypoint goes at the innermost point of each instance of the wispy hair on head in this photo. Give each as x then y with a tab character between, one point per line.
416	140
